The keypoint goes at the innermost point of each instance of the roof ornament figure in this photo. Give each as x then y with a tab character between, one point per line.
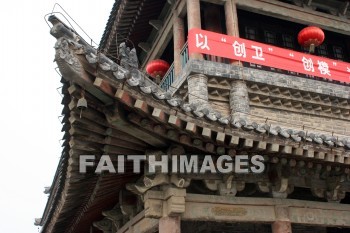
128	58
129	61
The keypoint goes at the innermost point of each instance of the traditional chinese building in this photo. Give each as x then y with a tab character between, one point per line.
239	83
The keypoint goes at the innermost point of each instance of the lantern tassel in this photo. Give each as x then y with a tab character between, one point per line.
312	48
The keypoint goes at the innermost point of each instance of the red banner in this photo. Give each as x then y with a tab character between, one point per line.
235	48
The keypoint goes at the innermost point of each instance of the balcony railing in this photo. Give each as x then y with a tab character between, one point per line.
168	78
184	55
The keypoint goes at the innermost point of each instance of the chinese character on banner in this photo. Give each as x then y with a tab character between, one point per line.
239	49
258	53
323	67
308	64
202	41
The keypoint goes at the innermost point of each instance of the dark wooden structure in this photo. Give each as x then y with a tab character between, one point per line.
208	106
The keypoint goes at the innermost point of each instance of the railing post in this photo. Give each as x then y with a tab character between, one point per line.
184	55
168	78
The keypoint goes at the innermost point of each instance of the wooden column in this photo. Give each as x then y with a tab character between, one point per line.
194	21
232	22
179	41
231	18
282	223
281	227
212	23
170	225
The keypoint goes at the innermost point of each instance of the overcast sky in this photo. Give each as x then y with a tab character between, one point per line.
30	104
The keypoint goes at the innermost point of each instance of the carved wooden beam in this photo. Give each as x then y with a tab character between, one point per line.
238	209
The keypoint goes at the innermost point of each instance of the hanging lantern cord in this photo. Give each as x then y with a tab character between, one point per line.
312	48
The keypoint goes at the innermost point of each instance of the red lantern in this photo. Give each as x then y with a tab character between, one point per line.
311	37
157	68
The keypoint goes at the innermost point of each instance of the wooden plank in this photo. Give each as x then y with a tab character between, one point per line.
86	124
116	134
298	151
309	153
321	217
124	143
104	86
87	135
228	213
142	106
260	145
234	141
175	121
329	157
159	114
339	158
124	97
92	115
220	138
191	128
117	150
206	133
248	143
347	160
286	149
320	155
273	148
